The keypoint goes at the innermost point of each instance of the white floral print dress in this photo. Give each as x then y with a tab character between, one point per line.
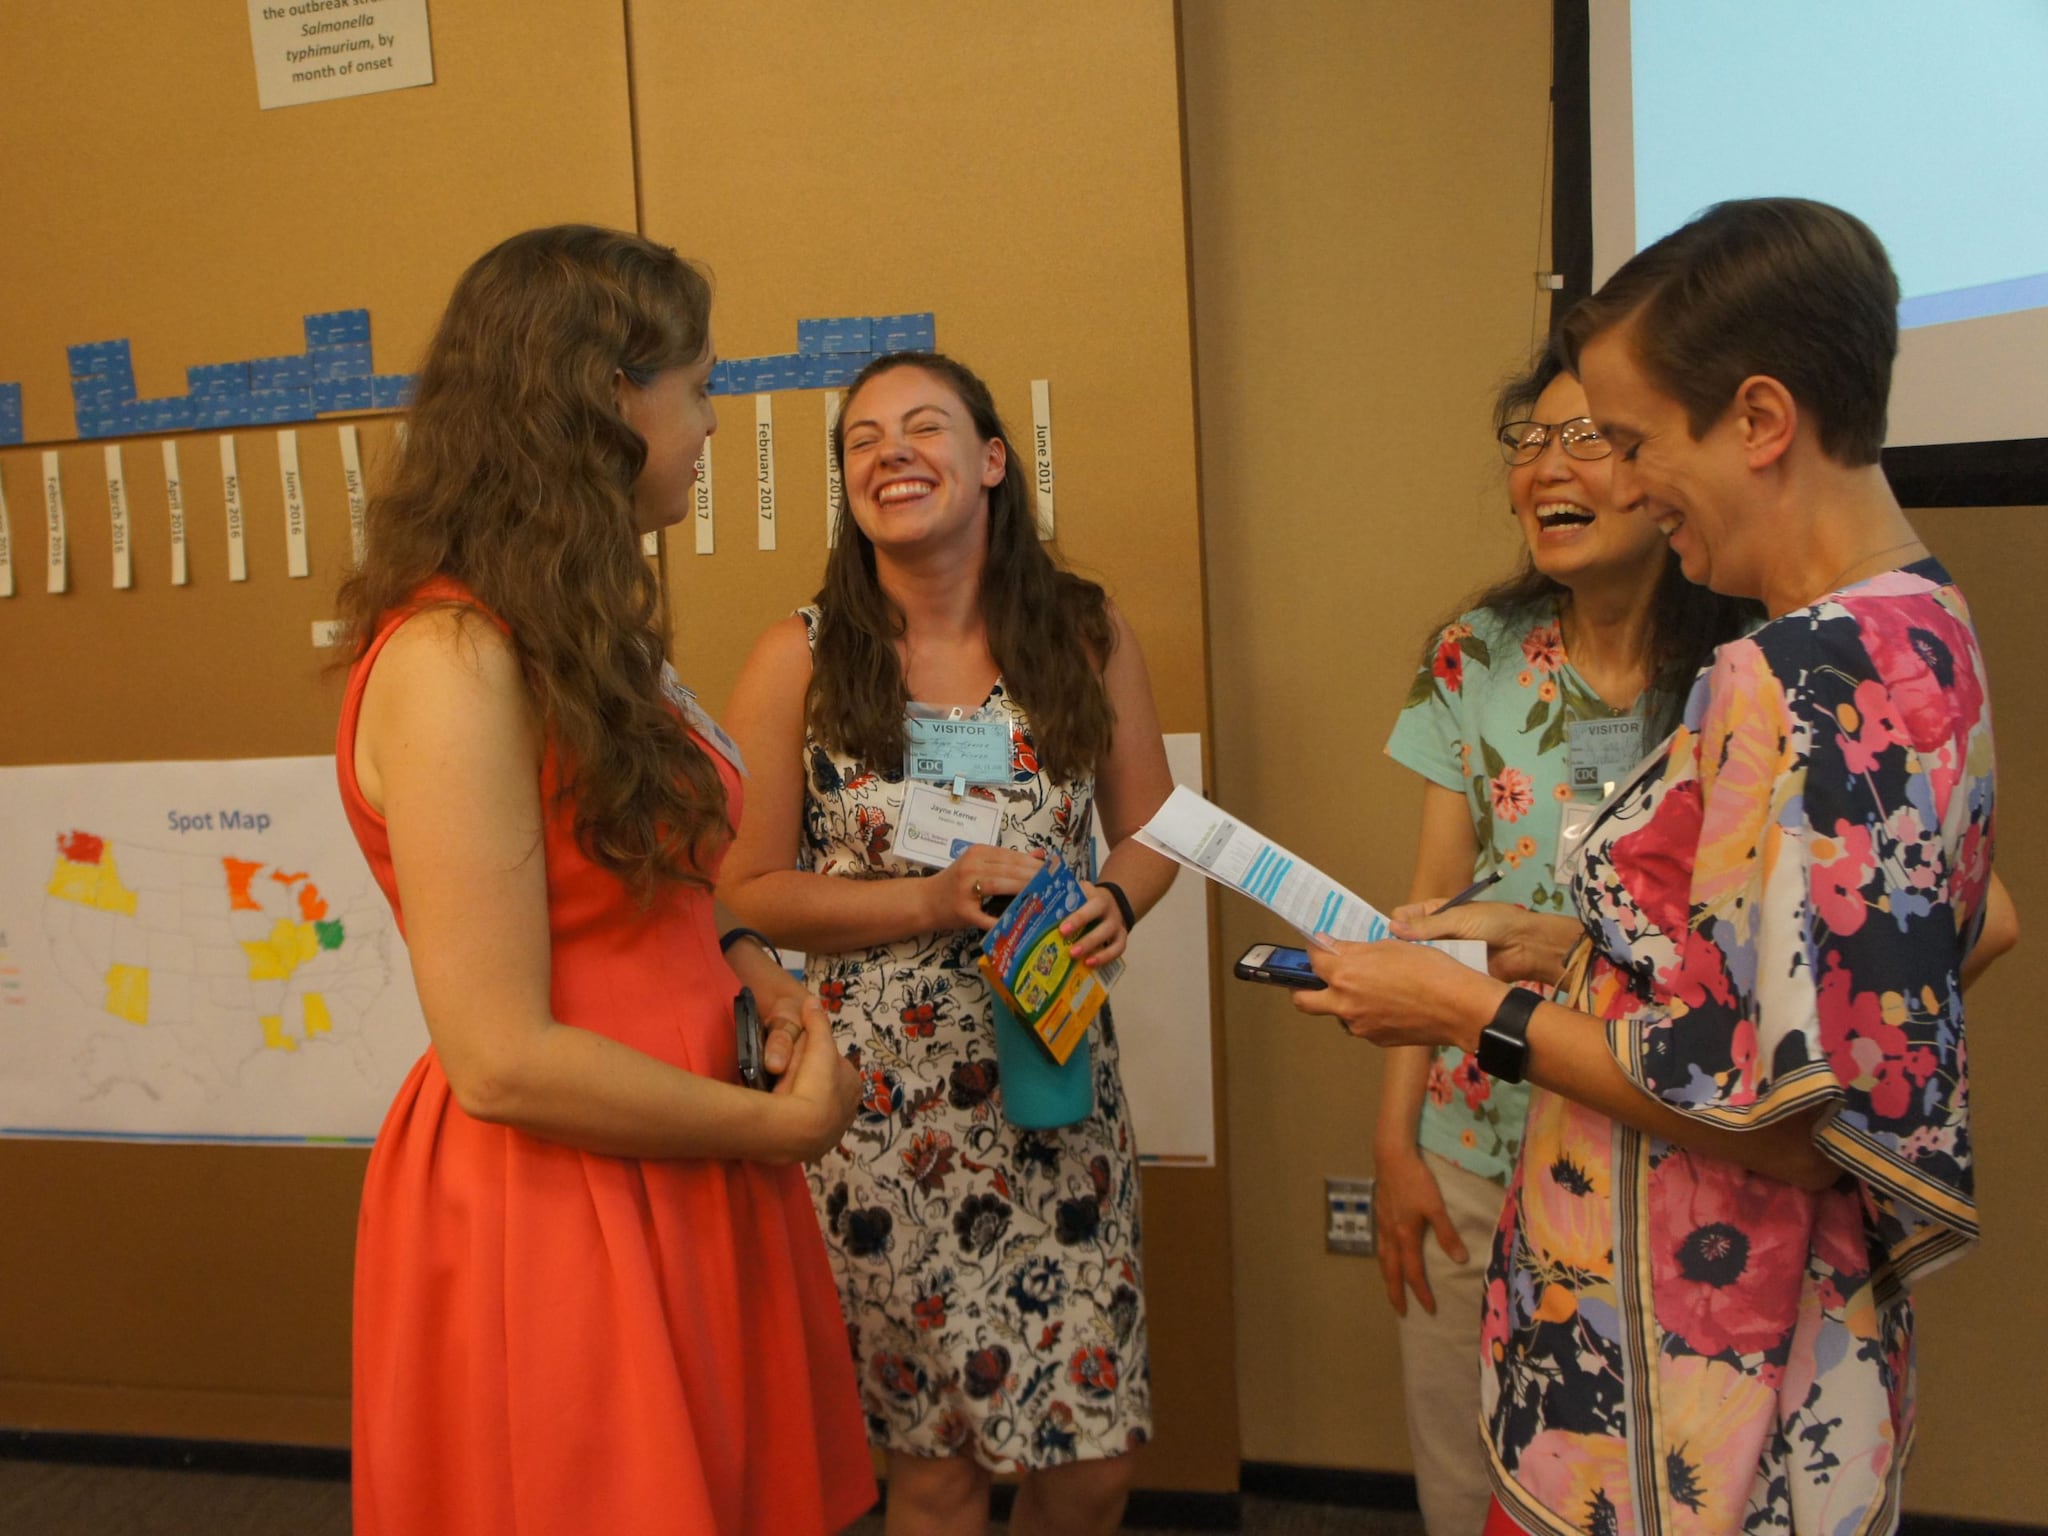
990	1275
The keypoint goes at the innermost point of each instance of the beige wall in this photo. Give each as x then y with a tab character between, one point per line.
1364	189
1365	183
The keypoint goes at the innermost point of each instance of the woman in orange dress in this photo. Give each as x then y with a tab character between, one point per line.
590	1291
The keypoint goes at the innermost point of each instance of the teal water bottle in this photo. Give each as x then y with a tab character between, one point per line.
1038	1093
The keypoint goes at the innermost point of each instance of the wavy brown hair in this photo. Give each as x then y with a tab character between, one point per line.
1687	622
516	481
1049	630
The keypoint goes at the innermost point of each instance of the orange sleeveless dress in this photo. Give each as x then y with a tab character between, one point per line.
549	1340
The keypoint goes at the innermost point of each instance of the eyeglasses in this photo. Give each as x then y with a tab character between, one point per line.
1523	442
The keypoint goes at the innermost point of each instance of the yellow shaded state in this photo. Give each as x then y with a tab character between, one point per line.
274	1037
93	885
128	993
289	946
318	1021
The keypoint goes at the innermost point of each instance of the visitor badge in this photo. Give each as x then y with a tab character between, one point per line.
699	718
962	751
1575	819
1602	751
937	826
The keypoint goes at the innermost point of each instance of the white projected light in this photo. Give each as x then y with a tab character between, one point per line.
1929	123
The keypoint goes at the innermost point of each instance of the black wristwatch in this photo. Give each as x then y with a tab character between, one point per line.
1504	1044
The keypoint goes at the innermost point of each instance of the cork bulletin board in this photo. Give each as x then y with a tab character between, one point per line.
1028	196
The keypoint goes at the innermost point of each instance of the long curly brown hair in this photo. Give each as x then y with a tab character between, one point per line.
1049	630
516	481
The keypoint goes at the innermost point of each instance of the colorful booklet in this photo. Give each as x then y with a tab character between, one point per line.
1033	969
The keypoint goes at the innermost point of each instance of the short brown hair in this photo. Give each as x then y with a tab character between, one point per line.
1797	290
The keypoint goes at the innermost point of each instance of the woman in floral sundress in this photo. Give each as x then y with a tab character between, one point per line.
1554	680
1750	1125
990	1275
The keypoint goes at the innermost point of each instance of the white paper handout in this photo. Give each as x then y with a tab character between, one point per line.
1209	840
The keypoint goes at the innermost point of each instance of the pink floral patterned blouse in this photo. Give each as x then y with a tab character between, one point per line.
1778	907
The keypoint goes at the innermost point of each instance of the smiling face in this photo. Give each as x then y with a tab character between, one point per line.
674	414
1575	528
917	472
1694	490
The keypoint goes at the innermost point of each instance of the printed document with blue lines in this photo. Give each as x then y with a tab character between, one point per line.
1212	842
1209	840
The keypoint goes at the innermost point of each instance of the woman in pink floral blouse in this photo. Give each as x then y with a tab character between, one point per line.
1750	1125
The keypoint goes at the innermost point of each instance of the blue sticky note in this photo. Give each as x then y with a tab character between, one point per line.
392	391
752	375
810	373
905	333
294	371
854	333
849	333
337	327
282	405
173	413
840	369
90	357
340	360
216	379
343	395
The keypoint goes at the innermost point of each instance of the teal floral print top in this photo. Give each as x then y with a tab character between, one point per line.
1777	907
1488	717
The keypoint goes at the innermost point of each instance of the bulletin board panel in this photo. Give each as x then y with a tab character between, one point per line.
204	1291
1016	171
149	197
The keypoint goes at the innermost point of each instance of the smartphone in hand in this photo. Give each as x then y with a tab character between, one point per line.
1279	966
746	1018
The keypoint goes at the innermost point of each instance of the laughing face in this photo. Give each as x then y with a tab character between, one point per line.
1574	526
917	472
1693	489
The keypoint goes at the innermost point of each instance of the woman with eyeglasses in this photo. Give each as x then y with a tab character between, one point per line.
1551	684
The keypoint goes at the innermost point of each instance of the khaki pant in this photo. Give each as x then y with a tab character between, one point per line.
1440	1359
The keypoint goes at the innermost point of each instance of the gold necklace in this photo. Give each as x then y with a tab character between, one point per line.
1836	584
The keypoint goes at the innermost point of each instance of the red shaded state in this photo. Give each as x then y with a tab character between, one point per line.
240	873
311	907
81	847
285	877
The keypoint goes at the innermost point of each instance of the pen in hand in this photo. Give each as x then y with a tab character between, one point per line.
1477	888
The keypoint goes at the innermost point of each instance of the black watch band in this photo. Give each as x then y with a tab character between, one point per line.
1504	1043
732	936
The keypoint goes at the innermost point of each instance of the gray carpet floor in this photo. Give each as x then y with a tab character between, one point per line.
70	1499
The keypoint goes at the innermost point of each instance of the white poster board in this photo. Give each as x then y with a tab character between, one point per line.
317	50
195	951
1162	1009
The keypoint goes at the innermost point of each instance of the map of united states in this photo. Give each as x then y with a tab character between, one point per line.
218	958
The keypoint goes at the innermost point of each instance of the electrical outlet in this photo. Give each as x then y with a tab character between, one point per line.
1347	1205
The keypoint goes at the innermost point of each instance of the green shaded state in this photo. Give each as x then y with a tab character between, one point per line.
329	934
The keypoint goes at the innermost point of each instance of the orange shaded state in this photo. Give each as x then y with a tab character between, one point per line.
311	907
284	877
240	873
82	847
